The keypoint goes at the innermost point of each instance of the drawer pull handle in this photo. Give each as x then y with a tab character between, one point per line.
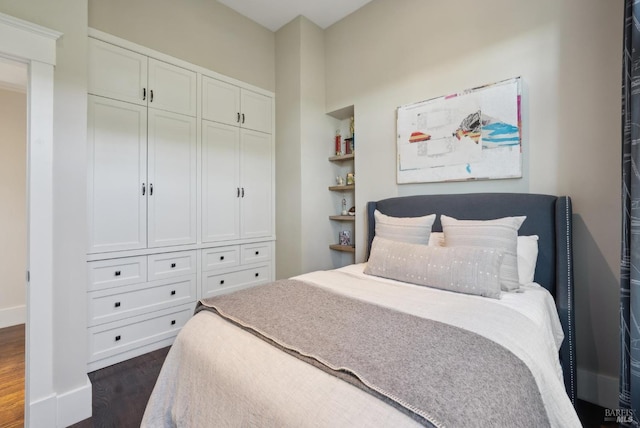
222	282
257	274
173	265
257	253
221	257
117	304
117	273
173	322
117	338
173	292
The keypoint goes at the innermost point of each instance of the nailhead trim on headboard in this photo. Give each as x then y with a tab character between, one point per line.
569	301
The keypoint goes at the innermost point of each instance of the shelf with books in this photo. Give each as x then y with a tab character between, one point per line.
342	162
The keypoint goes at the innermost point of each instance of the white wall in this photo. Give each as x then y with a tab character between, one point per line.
395	52
303	146
13	215
202	32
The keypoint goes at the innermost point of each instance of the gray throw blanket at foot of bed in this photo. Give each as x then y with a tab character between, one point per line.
437	373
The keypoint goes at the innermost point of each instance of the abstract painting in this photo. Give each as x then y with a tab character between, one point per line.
471	135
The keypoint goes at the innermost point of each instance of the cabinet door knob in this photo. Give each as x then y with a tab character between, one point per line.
221	257
242	192
150	189
144	94
173	292
144	189
257	253
257	274
222	282
151	95
117	338
116	304
173	322
173	265
242	117
238	118
117	273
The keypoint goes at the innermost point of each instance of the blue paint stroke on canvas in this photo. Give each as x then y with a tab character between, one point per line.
500	133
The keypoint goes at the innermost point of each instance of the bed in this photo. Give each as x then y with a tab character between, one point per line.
466	358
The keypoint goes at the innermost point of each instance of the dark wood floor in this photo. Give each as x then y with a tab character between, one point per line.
121	391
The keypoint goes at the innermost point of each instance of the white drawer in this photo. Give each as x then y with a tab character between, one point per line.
117	303
117	272
111	339
171	264
255	253
220	258
214	283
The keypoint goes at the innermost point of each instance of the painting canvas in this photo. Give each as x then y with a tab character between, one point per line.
472	135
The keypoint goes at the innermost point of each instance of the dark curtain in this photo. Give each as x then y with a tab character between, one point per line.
630	261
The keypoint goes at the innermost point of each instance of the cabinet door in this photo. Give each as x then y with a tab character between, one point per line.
256	168
117	153
172	88
117	73
220	182
256	111
172	179
220	101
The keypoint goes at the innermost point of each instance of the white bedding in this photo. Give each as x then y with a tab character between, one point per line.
219	375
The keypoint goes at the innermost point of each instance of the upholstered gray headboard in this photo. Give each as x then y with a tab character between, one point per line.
548	216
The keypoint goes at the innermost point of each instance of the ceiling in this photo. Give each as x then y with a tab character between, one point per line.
273	14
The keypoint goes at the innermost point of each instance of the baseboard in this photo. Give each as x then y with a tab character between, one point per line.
75	405
598	389
41	412
13	316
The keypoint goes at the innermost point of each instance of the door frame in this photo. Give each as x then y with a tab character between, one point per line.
36	46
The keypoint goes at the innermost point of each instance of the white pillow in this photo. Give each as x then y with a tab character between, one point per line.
527	258
527	254
500	234
414	230
466	270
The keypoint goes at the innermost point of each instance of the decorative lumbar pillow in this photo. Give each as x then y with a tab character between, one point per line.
414	230
466	270
500	234
527	254
527	258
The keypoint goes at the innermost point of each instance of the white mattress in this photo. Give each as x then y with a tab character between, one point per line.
219	375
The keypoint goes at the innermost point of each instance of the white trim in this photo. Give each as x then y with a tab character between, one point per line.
26	41
75	405
39	328
36	46
13	316
106	37
598	388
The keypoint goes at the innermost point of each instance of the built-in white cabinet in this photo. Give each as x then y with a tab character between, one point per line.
227	103
117	175
141	175
138	304
122	74
237	186
180	197
227	269
172	179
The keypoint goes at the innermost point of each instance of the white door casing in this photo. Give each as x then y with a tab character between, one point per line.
36	46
